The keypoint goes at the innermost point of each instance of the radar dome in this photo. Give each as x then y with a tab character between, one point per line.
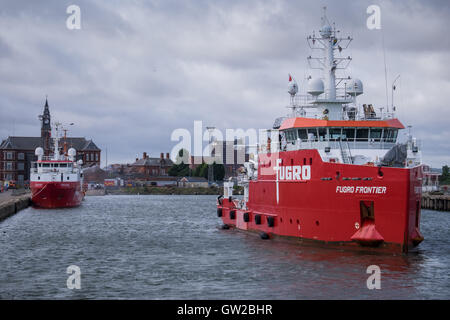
292	88
326	31
315	87
72	152
355	87
39	152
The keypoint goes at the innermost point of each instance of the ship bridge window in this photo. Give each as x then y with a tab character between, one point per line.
302	134
390	135
291	135
312	134
394	135
323	134
362	134
375	134
348	134
46	165
335	134
63	165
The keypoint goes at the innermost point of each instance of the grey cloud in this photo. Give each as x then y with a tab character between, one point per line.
137	70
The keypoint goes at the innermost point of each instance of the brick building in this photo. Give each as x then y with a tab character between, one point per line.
232	154
152	167
17	153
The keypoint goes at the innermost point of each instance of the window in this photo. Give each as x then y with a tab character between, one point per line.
63	165
362	134
21	156
96	157
394	135
302	134
312	134
9	166
9	156
375	134
8	176
390	135
348	134
46	165
21	166
291	135
323	135
335	134
386	134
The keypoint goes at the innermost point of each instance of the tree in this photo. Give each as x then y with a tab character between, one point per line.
202	171
219	171
445	177
181	166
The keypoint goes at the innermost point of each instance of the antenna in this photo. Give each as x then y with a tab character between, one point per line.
210	167
385	70
393	89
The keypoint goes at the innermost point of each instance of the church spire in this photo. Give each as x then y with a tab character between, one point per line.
46	129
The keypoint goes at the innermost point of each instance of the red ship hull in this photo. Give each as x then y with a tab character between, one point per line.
51	195
357	205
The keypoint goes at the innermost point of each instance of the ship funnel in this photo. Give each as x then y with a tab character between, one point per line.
315	87
39	152
72	153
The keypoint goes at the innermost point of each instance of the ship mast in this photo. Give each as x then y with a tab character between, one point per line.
56	139
328	94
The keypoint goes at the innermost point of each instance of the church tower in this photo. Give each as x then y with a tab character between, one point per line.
46	129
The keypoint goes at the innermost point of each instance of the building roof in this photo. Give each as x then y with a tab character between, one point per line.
153	162
31	143
21	143
81	144
94	169
311	123
193	179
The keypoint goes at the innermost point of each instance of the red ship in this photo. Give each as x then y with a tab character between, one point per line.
333	171
56	181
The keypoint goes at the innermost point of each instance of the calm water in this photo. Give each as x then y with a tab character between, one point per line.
169	247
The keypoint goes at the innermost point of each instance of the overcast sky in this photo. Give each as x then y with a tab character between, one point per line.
137	70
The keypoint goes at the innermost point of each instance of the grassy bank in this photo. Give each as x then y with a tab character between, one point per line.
238	190
167	190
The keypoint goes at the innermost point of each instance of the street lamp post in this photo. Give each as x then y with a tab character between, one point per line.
210	167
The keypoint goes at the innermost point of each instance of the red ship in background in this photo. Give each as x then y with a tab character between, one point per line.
56	181
332	171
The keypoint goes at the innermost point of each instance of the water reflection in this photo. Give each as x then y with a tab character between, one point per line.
169	247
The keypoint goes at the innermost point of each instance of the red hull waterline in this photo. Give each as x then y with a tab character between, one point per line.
51	195
359	206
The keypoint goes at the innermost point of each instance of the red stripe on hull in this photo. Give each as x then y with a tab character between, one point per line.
315	210
53	195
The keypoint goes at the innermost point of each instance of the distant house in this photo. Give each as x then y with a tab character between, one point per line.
192	182
94	174
147	167
430	181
